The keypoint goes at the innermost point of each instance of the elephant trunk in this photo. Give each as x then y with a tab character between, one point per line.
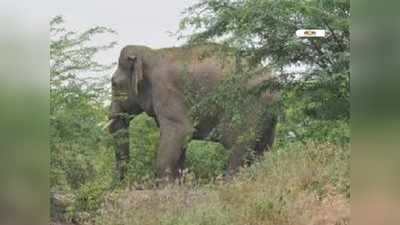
118	125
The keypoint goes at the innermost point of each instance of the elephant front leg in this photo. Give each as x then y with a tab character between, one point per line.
173	137
120	131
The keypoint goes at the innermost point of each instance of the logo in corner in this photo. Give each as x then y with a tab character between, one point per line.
310	33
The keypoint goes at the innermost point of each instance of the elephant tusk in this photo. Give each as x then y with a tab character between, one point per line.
107	124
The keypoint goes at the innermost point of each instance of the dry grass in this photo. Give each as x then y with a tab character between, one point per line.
292	186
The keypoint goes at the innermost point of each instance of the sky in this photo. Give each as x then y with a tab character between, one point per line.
138	22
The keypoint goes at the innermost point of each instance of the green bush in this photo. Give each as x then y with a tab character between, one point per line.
88	197
206	159
80	151
144	139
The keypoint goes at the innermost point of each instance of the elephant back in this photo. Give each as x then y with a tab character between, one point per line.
193	55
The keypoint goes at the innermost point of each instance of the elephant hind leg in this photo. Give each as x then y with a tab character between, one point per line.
267	138
241	152
237	150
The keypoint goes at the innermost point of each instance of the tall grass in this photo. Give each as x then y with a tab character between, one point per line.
293	185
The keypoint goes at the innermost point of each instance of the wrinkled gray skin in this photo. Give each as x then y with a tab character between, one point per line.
150	82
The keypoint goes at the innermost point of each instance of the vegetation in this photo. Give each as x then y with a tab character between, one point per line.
80	152
303	180
299	184
313	72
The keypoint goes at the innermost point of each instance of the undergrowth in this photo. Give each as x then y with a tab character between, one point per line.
297	184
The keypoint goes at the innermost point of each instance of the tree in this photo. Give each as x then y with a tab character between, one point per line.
314	72
81	155
72	58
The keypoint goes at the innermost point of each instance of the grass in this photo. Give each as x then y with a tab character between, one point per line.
293	185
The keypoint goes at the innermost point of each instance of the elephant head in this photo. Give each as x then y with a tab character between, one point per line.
126	84
128	79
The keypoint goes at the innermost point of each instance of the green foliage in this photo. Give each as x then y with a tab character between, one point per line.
313	72
80	150
72	61
90	196
298	125
206	159
294	184
144	139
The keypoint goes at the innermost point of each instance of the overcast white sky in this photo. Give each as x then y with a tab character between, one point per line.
139	22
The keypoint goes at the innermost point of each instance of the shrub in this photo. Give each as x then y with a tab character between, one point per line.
89	196
144	139
305	184
206	159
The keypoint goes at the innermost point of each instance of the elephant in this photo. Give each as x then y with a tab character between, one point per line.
152	81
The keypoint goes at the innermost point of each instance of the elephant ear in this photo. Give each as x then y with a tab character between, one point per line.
137	75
